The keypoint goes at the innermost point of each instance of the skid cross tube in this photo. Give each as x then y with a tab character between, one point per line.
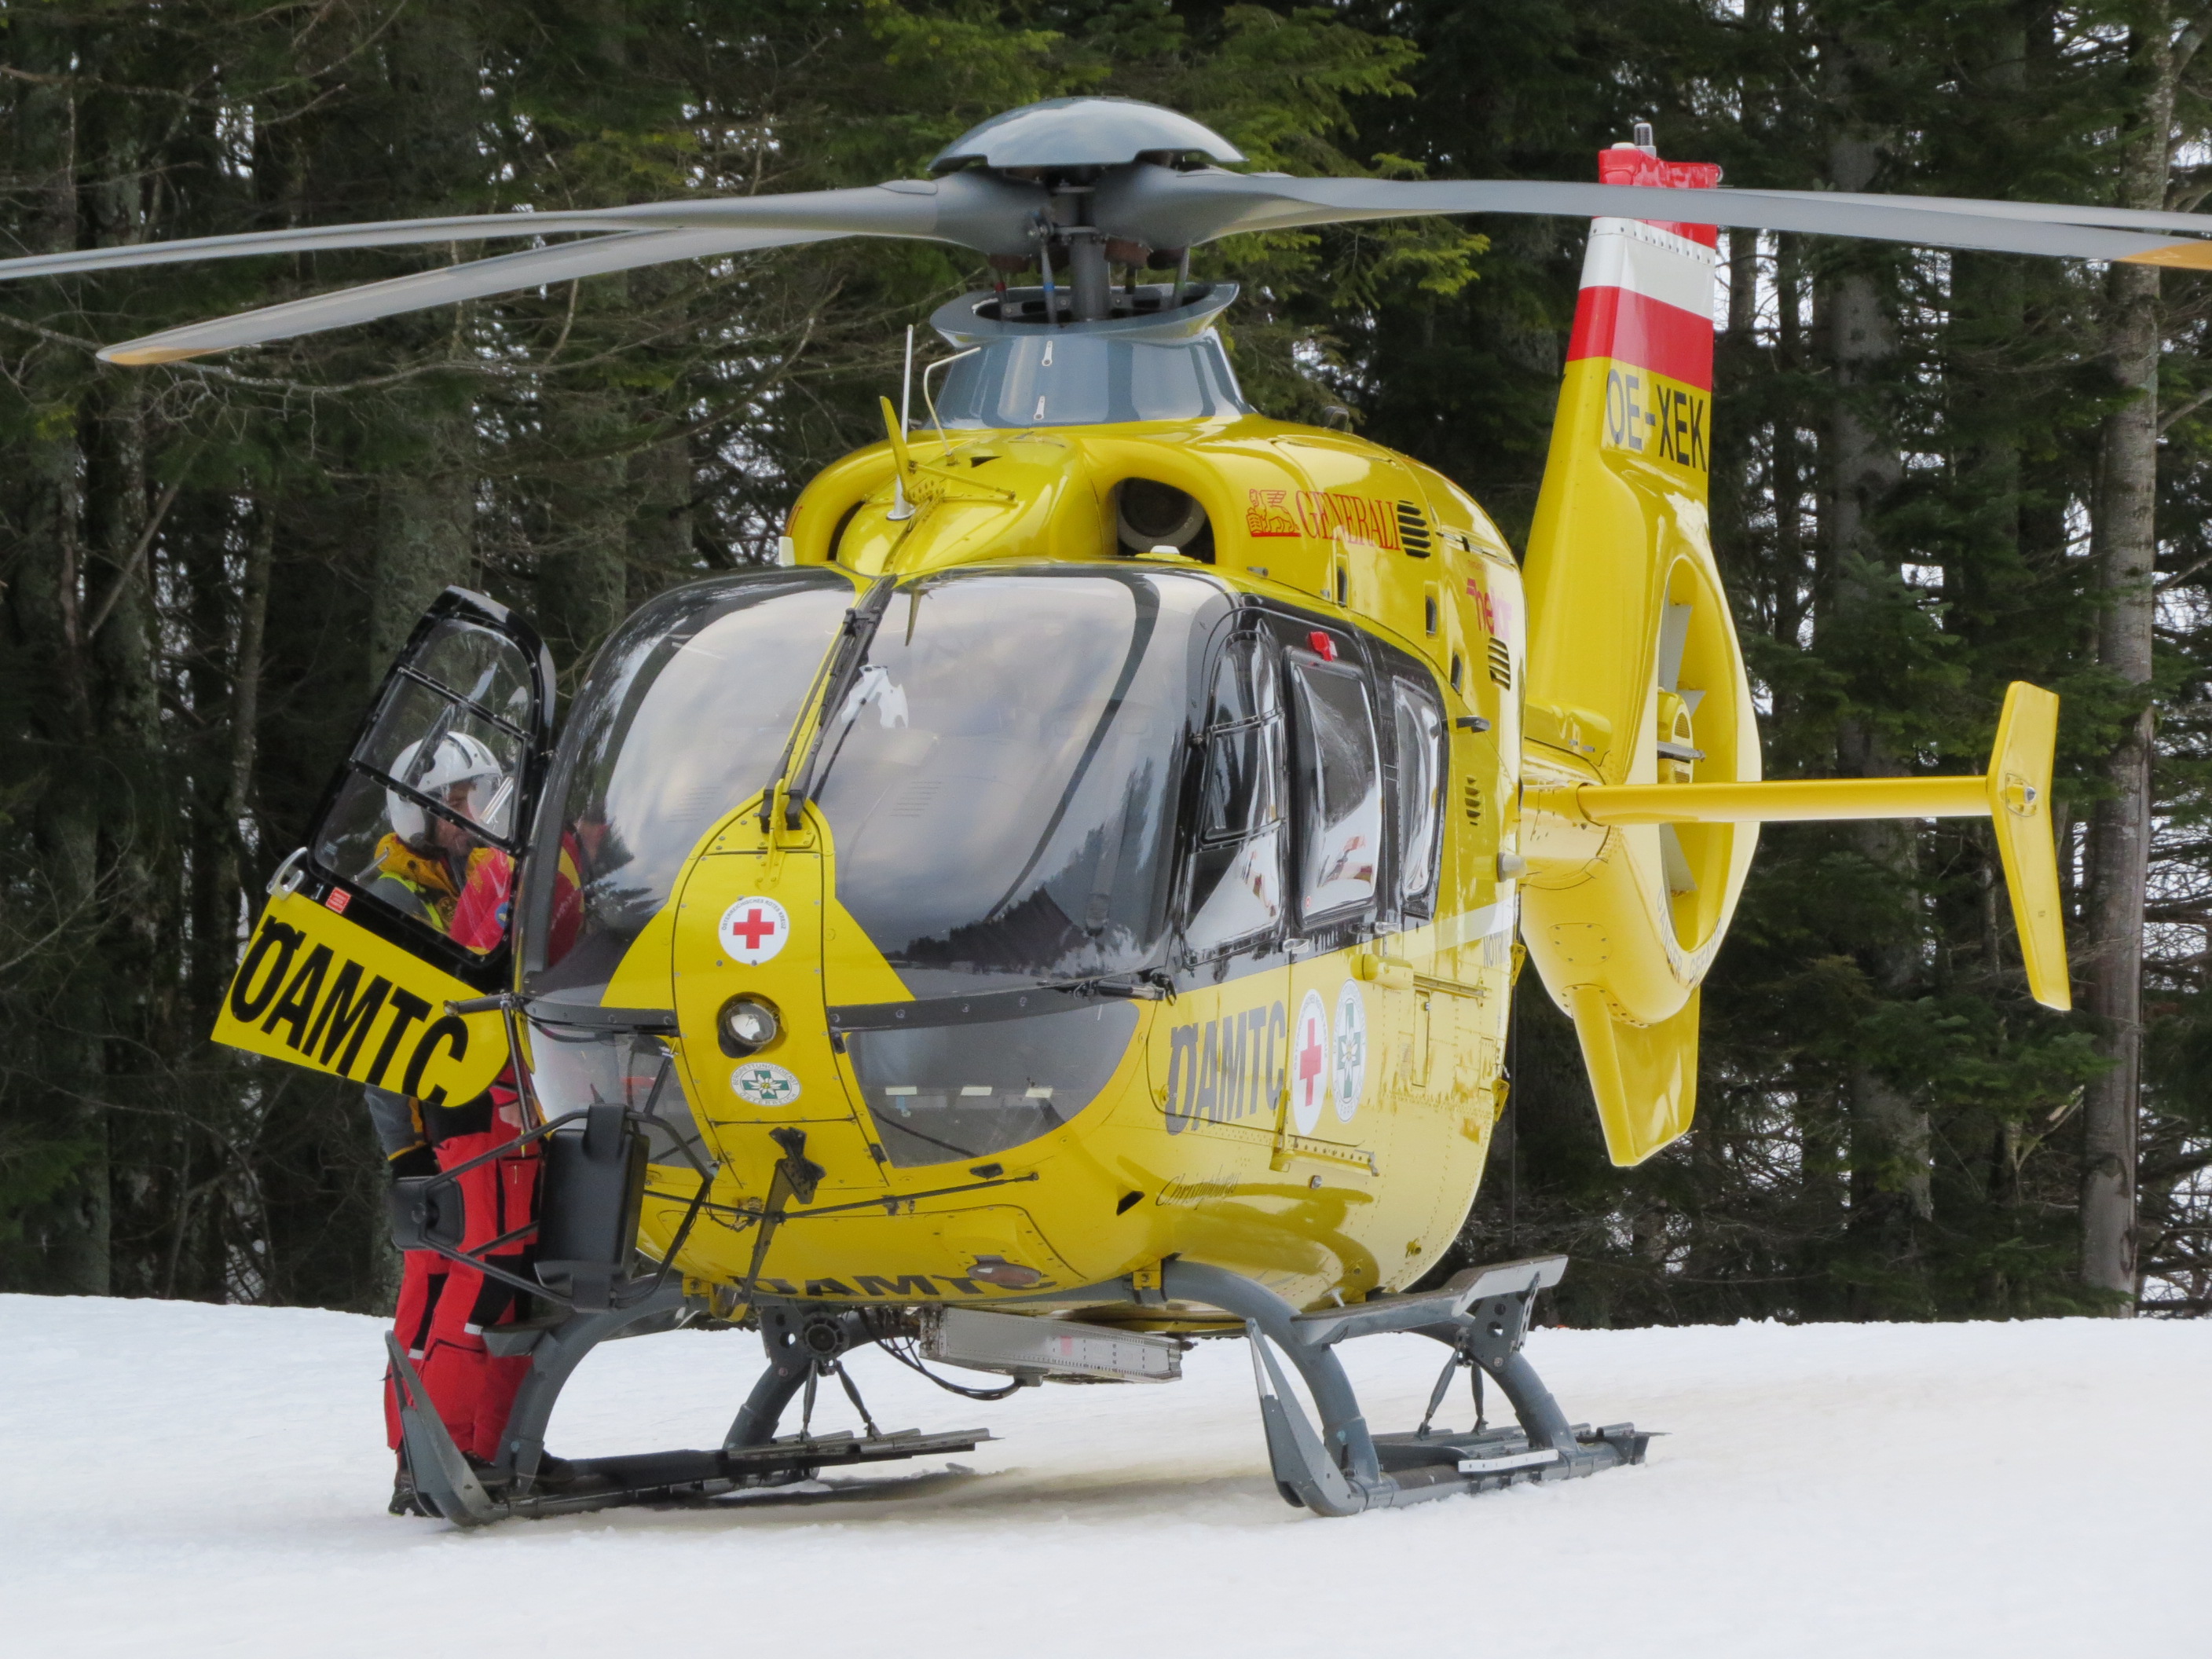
1342	1468
553	1360
1343	1430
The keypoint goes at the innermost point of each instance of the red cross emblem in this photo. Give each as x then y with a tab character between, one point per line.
1311	1062
754	929
1311	1053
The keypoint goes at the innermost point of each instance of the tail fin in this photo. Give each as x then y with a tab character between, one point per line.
1634	674
1631	452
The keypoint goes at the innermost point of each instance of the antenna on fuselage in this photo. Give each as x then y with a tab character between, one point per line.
901	507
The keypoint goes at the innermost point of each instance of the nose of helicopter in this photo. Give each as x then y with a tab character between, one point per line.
750	928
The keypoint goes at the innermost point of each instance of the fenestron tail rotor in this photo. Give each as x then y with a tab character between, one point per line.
1076	181
1673	735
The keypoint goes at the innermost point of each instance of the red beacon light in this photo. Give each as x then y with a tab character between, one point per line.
1323	645
1638	163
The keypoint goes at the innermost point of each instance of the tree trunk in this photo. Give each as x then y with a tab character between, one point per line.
659	519
425	541
2125	548
70	1233
1891	1190
583	584
234	846
1793	580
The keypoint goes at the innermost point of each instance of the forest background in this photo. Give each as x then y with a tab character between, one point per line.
1934	474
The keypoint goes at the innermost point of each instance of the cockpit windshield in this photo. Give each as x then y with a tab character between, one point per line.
685	714
1000	779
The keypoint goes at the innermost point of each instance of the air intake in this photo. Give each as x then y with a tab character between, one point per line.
1413	529
1501	664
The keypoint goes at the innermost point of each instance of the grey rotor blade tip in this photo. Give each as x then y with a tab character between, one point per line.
390	233
1168	209
425	289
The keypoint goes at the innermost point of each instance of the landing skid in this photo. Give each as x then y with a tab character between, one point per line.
524	1481
469	1497
1336	1467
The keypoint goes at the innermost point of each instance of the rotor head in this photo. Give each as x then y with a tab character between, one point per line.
1068	133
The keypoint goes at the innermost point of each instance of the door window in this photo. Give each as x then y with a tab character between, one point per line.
427	816
1236	891
1340	787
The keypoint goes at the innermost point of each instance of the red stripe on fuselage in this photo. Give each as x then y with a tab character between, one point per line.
1630	328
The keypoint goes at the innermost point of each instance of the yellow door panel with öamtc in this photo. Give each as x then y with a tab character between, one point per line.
319	990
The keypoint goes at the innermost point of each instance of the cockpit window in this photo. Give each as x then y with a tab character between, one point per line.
1001	779
685	714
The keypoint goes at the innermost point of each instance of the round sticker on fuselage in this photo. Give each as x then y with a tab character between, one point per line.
759	1083
1308	1063
1349	1070
753	930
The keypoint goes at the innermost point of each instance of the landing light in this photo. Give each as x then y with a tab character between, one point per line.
1006	1275
745	1026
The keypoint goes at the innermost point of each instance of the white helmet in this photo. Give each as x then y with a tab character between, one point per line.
458	759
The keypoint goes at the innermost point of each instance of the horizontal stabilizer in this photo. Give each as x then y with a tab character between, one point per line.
2014	794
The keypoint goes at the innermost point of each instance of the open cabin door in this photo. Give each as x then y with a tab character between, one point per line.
400	901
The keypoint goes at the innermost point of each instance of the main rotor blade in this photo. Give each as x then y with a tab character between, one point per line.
1170	210
423	289
984	212
388	232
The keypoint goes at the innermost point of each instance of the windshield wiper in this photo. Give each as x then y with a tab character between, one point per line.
981	1007
854	636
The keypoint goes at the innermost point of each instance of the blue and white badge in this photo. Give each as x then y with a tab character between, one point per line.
759	1083
1349	1072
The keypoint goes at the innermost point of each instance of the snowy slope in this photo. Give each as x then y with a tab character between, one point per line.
177	1479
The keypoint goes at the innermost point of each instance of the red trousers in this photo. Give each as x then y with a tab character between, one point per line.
444	1307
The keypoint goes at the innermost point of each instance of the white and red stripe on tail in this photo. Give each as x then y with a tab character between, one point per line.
1646	308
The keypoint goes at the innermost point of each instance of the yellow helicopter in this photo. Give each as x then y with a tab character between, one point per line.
1067	908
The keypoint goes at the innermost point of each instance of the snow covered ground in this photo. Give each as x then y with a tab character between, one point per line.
177	1479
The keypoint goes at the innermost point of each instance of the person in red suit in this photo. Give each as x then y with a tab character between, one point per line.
434	869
